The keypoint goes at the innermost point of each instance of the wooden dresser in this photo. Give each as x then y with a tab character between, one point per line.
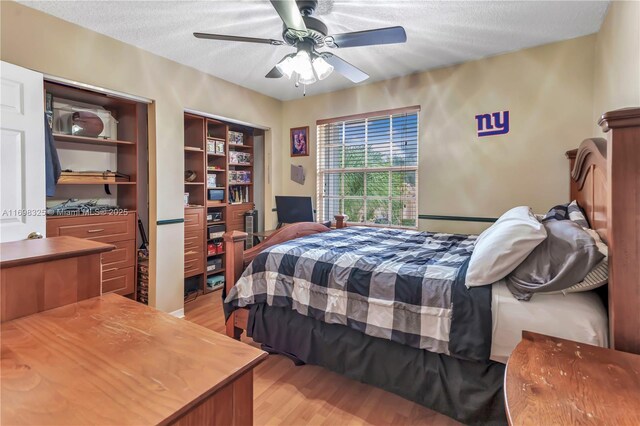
109	360
552	381
37	275
118	266
194	241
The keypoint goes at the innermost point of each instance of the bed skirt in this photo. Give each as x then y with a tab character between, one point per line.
468	391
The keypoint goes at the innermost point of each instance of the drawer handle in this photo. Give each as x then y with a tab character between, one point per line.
93	231
109	270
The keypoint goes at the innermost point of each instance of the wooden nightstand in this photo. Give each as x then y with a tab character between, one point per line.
552	381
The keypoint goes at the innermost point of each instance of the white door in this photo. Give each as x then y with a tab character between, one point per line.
22	177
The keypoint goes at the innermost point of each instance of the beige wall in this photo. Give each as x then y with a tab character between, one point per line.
617	60
47	44
548	91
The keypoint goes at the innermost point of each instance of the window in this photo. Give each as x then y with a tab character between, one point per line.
368	168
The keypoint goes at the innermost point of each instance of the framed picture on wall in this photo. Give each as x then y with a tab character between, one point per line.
300	141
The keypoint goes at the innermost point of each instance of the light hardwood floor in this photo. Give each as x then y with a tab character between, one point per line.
288	395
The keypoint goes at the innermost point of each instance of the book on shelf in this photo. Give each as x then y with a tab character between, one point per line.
236	138
238	194
237	157
239	176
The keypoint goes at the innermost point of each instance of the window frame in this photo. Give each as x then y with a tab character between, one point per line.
323	171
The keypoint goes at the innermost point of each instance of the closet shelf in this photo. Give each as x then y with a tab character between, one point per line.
89	140
235	145
95	183
193	149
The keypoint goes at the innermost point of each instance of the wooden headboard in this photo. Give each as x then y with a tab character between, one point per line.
589	181
605	180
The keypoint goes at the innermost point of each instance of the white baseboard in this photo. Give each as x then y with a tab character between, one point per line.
178	313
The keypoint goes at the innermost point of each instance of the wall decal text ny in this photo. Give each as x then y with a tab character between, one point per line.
496	123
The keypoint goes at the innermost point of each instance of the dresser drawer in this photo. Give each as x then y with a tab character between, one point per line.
193	265
193	254
120	281
193	219
122	256
194	241
105	228
235	227
236	215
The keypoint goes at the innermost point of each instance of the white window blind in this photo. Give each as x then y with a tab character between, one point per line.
368	168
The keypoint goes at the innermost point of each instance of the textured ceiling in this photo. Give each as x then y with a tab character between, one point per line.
439	33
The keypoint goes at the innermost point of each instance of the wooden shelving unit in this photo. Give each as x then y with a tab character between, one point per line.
208	151
195	244
119	266
217	151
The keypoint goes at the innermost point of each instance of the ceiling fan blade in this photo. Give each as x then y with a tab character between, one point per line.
237	38
389	35
274	73
345	68
290	15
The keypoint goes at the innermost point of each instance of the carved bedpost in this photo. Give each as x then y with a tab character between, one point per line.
233	262
573	185
341	220
236	257
623	226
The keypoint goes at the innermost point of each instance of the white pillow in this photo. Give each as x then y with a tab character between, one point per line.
502	247
598	276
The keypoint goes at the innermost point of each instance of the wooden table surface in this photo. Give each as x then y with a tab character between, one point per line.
26	252
109	360
552	381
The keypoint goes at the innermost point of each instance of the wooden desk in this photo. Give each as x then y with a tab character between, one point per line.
552	381
263	235
109	360
36	275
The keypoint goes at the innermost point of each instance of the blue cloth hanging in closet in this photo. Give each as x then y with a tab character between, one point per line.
52	167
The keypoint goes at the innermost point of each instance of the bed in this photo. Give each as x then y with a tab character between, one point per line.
462	382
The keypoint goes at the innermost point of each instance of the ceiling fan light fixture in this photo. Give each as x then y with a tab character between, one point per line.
321	67
306	33
307	77
286	66
304	68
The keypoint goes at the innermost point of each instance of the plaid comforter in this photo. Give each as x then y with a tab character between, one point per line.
404	286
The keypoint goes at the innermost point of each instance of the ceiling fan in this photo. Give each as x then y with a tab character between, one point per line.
307	34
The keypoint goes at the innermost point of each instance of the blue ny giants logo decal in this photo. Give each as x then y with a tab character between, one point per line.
496	123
